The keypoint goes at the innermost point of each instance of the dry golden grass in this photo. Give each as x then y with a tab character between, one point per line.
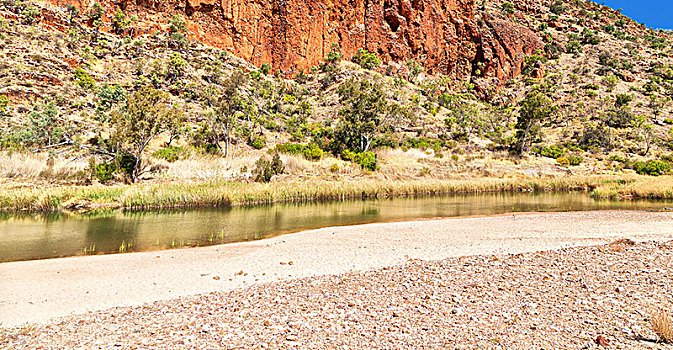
205	180
634	186
662	325
230	193
201	167
31	166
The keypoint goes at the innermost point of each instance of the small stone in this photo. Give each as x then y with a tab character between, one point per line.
457	311
601	341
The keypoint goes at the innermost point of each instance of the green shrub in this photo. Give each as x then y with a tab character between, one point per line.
589	37
367	160
348	155
265	68
553	152
258	143
617	158
4	102
652	168
508	8
419	143
266	169
42	127
83	79
415	68
530	62
105	171
623	99
312	152
590	87
595	136
32	14
557	8
610	81
570	160
619	118
335	54
109	97
95	13
437	150
366	59
575	159
171	154
290	148
334	168
126	164
177	28
651	87
175	67
574	47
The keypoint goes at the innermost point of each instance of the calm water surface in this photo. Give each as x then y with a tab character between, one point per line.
42	236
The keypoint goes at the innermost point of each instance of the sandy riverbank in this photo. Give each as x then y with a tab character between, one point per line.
35	291
574	298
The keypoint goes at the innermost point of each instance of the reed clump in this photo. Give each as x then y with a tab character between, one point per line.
171	195
662	325
233	193
648	187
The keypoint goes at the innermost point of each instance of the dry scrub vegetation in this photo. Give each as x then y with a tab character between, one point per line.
85	107
662	325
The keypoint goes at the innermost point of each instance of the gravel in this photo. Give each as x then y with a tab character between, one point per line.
573	298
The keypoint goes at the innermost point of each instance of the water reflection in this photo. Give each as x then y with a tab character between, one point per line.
40	236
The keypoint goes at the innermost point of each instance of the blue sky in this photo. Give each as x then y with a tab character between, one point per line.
655	13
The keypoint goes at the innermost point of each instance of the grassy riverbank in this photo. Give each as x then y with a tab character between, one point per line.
171	195
636	187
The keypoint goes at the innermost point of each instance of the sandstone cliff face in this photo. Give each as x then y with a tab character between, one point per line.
447	36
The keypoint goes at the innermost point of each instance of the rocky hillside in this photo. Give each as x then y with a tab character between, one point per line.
452	38
471	87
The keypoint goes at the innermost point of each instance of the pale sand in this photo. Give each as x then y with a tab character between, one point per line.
36	291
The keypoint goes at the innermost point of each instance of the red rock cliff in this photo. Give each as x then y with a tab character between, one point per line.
447	36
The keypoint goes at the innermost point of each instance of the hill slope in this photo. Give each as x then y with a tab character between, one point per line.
443	95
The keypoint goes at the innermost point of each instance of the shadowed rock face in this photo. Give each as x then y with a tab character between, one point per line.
446	36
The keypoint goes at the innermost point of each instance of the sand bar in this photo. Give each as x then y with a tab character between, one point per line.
36	291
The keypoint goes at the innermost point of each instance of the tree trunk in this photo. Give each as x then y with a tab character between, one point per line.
525	137
368	142
136	168
226	144
236	147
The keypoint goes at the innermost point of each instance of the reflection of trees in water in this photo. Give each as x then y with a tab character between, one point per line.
45	235
45	217
110	233
41	236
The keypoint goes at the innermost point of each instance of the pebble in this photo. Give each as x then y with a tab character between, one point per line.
532	301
